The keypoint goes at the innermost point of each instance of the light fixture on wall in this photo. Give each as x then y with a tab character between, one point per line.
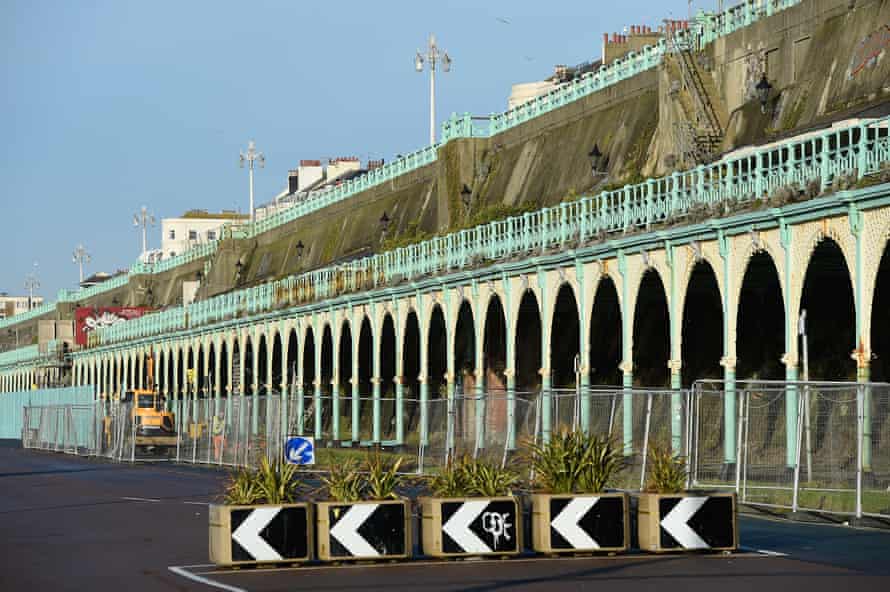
596	161
764	88
466	197
299	248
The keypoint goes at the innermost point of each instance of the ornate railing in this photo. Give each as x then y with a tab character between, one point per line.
854	151
705	29
710	27
28	354
38	311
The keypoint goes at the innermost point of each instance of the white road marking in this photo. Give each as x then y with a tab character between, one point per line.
141	499
763	551
197	503
181	571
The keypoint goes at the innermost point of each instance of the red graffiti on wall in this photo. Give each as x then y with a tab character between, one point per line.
868	50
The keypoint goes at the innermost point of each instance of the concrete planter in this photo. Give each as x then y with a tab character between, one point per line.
471	527
364	530
251	535
580	523
687	522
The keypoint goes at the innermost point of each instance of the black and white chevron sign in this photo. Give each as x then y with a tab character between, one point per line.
587	523
271	533
367	530
696	522
479	527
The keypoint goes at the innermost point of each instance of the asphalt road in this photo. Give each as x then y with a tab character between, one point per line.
68	523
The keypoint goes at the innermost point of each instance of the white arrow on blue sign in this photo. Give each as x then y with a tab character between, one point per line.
299	450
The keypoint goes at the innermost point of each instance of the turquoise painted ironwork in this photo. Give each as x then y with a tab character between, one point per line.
27	355
711	26
706	28
858	149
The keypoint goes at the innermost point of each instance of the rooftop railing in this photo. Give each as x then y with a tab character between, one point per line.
855	150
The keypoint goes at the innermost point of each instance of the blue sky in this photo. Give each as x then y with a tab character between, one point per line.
108	106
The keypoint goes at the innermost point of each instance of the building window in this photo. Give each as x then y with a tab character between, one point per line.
172	234
193	235
211	235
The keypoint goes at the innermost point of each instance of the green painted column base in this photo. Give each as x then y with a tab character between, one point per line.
863	375
546	411
356	412
627	414
335	412
791	407
676	413
424	413
376	410
730	417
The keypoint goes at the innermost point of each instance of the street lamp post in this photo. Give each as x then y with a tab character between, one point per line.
32	284
81	257
144	219
432	57
252	156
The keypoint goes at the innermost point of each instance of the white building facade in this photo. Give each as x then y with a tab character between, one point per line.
13	305
178	235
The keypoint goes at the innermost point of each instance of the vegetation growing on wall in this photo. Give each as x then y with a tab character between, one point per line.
791	117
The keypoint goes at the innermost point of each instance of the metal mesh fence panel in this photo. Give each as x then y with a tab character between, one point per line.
829	454
822	447
708	466
876	451
766	475
435	449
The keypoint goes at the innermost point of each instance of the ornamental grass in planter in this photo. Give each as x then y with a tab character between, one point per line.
571	511
669	518
364	517
472	511
260	519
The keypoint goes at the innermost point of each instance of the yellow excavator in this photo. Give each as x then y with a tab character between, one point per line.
155	426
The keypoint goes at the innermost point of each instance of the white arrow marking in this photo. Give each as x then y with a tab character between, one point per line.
566	523
675	523
248	534
296	455
346	531
458	527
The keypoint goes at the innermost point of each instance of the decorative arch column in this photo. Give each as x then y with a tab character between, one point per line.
626	365
423	325
510	362
355	331
336	328
790	359
376	342
546	322
318	403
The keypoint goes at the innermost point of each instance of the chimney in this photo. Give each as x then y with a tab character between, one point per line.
293	181
605	38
